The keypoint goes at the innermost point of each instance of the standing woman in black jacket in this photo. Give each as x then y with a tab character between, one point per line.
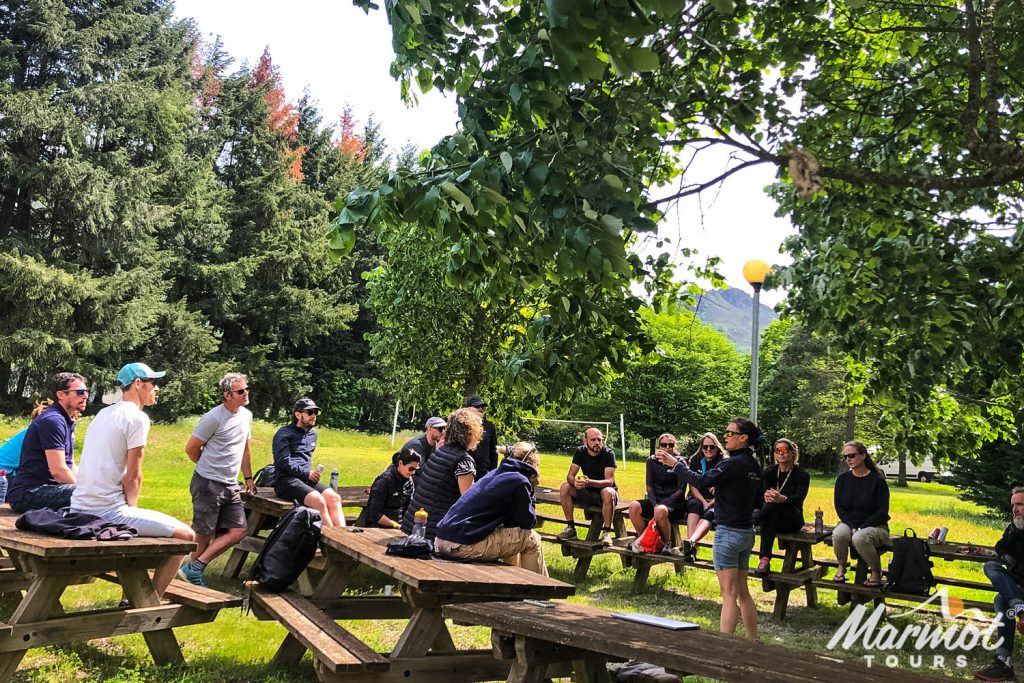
739	488
862	503
786	485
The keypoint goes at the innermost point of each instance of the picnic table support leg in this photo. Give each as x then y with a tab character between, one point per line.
42	597
237	559
590	669
421	633
782	590
331	585
643	571
806	562
139	589
527	673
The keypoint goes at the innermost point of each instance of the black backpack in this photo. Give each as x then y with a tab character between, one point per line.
265	476
288	550
910	570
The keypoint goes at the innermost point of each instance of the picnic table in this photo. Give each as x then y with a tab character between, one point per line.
50	564
585	549
263	510
535	637
425	650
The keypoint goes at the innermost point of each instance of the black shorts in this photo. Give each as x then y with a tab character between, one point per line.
695	507
676	513
589	498
293	488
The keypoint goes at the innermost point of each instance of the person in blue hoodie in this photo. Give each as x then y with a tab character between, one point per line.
494	519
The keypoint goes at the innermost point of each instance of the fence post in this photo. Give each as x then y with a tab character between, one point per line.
622	437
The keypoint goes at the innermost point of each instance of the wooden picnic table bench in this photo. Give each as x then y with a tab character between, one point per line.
534	637
262	512
51	564
585	549
425	650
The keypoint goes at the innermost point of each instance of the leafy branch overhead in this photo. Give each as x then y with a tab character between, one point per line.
579	119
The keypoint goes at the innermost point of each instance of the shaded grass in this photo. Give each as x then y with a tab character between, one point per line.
237	647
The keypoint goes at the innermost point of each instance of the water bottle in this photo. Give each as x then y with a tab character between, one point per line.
819	521
3	486
334	480
320	468
419	527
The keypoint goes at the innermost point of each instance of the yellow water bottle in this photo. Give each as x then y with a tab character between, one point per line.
419	527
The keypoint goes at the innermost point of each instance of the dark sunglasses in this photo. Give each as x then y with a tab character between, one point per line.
311	412
77	392
241	392
709	447
667	444
414	470
850	455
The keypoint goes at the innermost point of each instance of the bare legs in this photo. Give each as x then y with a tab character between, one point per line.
736	602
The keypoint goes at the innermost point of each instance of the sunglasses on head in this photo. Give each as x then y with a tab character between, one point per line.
77	392
667	444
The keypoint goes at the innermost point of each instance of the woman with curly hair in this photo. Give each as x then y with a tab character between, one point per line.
448	473
786	485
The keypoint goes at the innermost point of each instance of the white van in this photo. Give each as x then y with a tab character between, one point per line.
926	471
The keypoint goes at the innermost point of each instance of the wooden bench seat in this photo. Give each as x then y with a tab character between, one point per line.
335	648
185	593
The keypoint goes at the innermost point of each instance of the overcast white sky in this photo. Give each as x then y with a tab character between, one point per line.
342	56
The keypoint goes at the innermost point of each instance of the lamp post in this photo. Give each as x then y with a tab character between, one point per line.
755	271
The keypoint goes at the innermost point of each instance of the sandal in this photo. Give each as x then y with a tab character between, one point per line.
840	577
872	583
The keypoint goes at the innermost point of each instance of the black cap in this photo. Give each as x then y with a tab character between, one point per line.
304	404
474	402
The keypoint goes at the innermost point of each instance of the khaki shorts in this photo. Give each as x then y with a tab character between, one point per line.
215	506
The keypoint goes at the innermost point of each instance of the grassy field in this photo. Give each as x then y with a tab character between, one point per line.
237	647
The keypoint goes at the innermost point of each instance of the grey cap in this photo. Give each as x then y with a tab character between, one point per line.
435	422
474	402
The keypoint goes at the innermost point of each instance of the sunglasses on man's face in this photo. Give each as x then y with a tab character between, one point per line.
311	412
242	392
77	392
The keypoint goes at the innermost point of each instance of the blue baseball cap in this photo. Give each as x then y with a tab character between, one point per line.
134	371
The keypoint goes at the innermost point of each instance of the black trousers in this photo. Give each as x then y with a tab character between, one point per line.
777	519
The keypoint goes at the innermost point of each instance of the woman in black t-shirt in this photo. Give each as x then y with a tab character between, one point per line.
786	485
664	503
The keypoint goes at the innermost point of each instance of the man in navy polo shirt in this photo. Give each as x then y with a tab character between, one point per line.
47	472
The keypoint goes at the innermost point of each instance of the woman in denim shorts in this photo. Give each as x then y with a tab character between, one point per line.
739	488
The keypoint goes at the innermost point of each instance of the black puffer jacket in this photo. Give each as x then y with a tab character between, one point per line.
437	488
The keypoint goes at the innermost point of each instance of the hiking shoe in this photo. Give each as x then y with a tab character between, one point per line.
763	567
606	537
568	533
996	671
193	576
634	546
689	551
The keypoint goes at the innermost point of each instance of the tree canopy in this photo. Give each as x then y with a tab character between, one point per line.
895	127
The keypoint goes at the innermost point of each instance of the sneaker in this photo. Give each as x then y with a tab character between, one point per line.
689	551
671	551
763	567
606	538
124	604
996	671
193	576
634	546
568	533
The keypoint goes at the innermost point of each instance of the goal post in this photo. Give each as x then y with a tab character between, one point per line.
593	423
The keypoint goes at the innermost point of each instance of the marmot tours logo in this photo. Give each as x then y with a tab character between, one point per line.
916	644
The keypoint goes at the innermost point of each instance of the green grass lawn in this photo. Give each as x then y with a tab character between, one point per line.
237	647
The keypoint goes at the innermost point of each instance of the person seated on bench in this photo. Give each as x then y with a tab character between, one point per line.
786	485
449	472
700	503
494	520
665	503
738	487
862	504
1007	576
47	473
293	461
392	490
596	488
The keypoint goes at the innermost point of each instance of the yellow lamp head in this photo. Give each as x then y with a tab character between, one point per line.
755	270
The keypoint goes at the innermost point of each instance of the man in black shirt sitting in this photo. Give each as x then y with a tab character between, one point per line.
596	488
425	443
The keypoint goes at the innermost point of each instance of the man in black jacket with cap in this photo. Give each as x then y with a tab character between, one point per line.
485	455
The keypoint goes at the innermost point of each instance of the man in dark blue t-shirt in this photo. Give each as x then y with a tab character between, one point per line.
596	488
47	472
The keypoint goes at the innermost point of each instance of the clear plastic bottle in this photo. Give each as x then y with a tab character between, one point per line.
3	486
819	521
419	527
334	480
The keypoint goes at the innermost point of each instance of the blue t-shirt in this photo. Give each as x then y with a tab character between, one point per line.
10	452
52	430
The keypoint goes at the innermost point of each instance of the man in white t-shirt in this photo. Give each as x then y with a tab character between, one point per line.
110	469
219	446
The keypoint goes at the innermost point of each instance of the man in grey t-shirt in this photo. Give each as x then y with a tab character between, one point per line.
219	446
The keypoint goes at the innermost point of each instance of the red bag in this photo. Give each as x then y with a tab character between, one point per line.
650	540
